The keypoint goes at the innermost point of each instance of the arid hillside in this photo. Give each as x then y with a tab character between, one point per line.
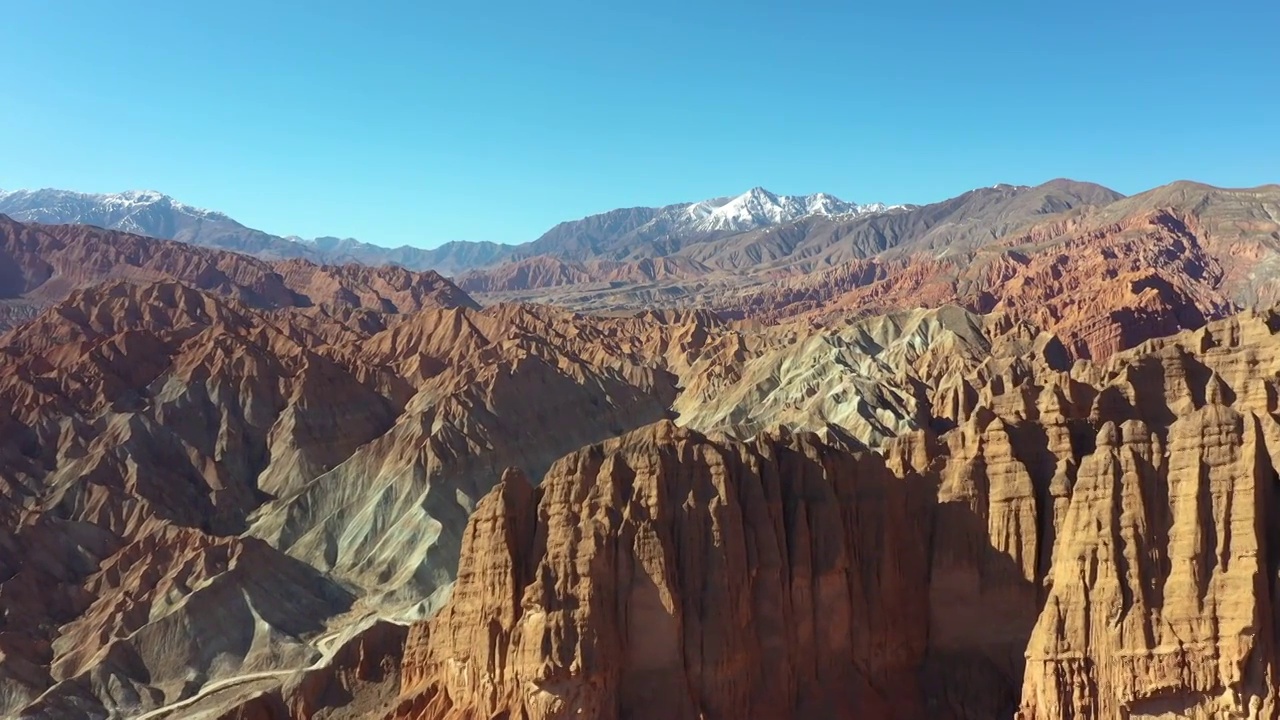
1032	477
1092	543
1102	272
42	264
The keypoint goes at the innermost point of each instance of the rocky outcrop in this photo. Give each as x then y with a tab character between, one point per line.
1163	600
388	289
1096	542
668	575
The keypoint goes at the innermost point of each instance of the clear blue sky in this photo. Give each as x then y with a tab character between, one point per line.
398	123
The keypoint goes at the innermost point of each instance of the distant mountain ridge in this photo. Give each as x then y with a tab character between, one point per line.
41	265
144	212
630	233
125	208
154	214
756	232
594	255
639	232
758	208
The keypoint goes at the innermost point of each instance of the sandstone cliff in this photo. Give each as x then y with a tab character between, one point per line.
666	575
1097	542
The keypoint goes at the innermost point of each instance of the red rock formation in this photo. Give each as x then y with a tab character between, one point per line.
42	264
1163	600
1100	290
1103	277
202	493
1098	543
667	575
388	289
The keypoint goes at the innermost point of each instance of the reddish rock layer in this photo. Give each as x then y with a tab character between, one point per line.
1096	543
1100	290
42	264
665	575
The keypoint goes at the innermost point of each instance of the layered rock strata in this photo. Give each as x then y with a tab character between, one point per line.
1097	542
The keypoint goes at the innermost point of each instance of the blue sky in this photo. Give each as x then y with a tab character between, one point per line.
398	123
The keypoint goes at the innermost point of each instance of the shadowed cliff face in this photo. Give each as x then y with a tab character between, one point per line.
1092	543
670	573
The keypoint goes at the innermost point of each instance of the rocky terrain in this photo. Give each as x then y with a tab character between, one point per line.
611	235
42	264
1012	457
1098	542
144	212
1102	271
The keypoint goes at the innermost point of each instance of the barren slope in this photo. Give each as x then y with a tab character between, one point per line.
42	264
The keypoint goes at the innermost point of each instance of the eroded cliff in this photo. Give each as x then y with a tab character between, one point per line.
1098	542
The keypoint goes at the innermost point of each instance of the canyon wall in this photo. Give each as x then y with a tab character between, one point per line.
1098	542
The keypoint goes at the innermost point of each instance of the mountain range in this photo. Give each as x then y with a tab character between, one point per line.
736	232
1011	455
1100	265
152	213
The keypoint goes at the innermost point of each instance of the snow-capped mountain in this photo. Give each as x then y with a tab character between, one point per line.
648	232
140	211
758	208
624	233
145	212
152	213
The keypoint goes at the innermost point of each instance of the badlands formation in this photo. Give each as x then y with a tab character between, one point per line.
1012	456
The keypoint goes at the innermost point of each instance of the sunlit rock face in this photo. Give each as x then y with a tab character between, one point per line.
1095	542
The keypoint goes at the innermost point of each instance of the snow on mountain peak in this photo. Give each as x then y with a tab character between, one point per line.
135	197
132	200
132	210
141	195
757	208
